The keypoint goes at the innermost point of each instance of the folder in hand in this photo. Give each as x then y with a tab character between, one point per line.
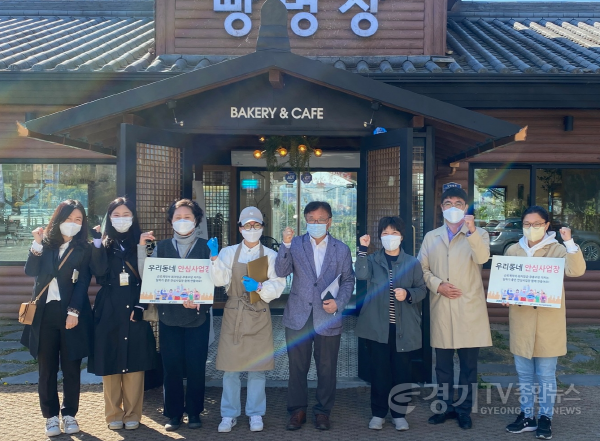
258	270
331	292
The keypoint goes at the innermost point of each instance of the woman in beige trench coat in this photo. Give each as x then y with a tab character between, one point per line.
538	336
246	339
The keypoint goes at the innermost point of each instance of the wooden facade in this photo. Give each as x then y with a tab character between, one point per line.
409	27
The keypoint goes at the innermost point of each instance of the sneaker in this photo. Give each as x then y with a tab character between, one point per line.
522	424
52	426
226	424
116	425
401	423
376	423
132	425
173	424
544	428
194	422
69	425
256	423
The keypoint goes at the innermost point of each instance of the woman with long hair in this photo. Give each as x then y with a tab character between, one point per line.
538	335
184	329
59	260
124	344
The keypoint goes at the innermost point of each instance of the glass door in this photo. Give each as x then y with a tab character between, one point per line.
282	201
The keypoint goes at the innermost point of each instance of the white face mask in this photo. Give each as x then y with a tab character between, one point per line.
453	215
121	224
252	236
69	229
184	226
391	242
534	235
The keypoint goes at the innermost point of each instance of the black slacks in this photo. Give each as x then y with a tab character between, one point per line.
389	368
300	350
184	352
467	380
52	350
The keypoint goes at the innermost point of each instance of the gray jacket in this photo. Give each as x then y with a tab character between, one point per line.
305	295
374	319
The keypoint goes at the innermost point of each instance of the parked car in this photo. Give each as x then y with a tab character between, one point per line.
509	231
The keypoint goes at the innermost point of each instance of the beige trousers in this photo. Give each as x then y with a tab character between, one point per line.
123	397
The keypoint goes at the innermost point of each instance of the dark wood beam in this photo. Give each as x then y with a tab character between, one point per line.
62	140
276	78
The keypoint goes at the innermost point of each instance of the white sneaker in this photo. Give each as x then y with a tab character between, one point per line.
226	424
52	426
116	425
69	425
401	423
256	423
376	423
132	425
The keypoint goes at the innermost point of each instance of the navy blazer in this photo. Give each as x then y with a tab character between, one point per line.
305	295
75	295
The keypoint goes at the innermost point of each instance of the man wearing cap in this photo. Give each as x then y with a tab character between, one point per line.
246	340
316	260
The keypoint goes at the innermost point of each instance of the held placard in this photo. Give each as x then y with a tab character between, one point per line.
527	281
176	280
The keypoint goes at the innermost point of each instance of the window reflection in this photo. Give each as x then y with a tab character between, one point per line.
572	197
29	193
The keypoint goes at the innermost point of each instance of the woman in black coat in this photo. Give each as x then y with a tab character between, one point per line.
61	330
124	344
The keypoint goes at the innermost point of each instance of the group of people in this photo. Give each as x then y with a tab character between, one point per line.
121	345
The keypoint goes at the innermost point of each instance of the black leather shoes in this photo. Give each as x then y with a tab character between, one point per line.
464	421
322	422
173	424
440	418
296	420
194	422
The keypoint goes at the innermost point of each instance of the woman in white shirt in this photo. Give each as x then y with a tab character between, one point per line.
246	340
61	329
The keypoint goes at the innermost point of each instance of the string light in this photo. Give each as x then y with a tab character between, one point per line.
257	154
318	153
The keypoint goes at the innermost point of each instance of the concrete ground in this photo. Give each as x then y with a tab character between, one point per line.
576	417
22	421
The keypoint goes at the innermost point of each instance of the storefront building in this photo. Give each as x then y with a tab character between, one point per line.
159	100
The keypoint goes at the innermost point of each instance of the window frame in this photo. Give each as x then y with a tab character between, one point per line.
46	161
533	169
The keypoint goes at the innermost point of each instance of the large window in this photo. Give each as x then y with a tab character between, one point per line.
29	193
571	194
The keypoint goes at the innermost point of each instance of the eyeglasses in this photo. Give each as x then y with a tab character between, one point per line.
535	226
459	205
310	220
249	227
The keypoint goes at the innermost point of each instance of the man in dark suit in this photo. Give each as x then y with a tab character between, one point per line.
315	259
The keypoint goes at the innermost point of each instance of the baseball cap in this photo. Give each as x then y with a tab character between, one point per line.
250	214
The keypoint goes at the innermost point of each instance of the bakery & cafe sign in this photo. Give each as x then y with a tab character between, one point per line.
277	113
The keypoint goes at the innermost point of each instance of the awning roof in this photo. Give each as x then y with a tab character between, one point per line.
460	131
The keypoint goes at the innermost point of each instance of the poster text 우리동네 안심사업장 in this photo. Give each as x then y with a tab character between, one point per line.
172	281
526	281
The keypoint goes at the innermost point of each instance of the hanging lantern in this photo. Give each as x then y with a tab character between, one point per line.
262	139
318	153
282	152
257	154
302	148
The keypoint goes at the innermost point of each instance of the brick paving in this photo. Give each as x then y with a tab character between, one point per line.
22	420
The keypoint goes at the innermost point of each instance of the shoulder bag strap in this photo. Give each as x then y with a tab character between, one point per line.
135	273
59	267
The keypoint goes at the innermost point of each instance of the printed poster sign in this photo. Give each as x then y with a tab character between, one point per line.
171	281
530	281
